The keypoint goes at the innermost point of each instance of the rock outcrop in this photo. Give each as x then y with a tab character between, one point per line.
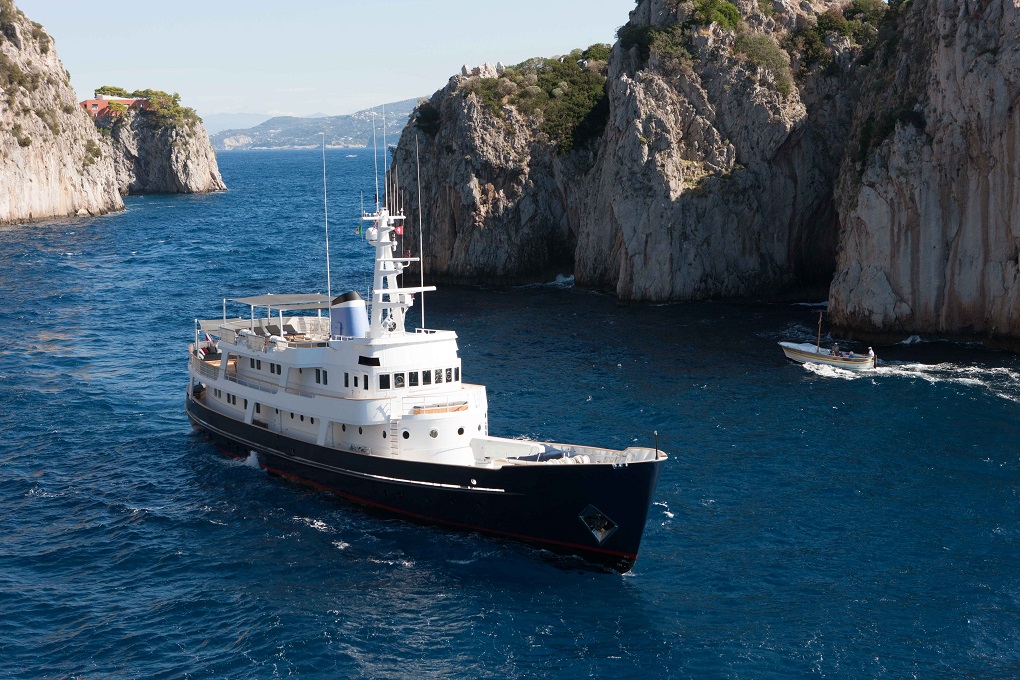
715	176
710	173
930	200
155	158
52	159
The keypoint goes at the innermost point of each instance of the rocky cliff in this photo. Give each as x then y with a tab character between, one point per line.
52	160
155	156
929	198
705	169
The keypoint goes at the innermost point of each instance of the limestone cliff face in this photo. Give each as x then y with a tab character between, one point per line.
52	161
150	158
711	177
712	181
492	191
930	203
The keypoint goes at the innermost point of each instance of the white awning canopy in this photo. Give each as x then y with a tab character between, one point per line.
286	302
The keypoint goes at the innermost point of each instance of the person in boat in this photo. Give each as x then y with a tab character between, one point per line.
871	353
835	350
850	354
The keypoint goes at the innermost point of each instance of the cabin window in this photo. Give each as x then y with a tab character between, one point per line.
426	377
302	419
456	373
449	375
347	379
407	435
312	420
318	376
258	364
292	415
355	381
460	430
439	375
258	408
365	382
343	427
412	379
325	378
252	362
246	404
384	381
398	379
360	431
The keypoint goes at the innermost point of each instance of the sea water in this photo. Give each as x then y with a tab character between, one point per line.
809	523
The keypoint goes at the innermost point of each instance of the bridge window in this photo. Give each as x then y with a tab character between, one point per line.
258	364
365	382
426	377
398	379
384	381
355	381
412	379
258	408
318	376
456	373
347	379
439	375
325	378
449	375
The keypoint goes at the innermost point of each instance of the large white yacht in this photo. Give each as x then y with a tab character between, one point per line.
379	414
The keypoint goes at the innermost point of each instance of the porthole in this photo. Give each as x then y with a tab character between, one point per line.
433	433
302	419
407	435
384	434
344	427
360	431
460	430
479	427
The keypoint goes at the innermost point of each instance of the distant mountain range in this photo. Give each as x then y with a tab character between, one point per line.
290	132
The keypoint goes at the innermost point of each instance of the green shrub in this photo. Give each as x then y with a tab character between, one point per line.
41	37
23	139
720	12
572	100
670	44
597	52
635	36
763	51
808	43
93	151
868	11
165	109
112	91
833	21
427	118
766	7
488	92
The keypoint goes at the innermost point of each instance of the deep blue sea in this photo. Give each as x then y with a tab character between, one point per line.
808	524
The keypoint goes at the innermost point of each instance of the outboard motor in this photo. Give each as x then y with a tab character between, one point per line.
348	316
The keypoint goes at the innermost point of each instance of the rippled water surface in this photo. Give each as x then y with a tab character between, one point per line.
810	522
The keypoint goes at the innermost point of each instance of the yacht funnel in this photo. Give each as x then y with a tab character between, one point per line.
348	316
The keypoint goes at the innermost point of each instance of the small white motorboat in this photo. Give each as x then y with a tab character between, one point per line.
805	352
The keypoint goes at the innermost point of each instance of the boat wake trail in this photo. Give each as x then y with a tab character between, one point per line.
832	371
999	381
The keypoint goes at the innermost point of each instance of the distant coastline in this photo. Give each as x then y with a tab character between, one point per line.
350	131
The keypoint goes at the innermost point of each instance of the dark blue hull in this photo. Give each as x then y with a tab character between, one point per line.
597	512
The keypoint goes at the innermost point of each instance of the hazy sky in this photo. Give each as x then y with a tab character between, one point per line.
307	56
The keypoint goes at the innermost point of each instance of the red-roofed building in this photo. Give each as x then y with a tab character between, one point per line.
100	106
